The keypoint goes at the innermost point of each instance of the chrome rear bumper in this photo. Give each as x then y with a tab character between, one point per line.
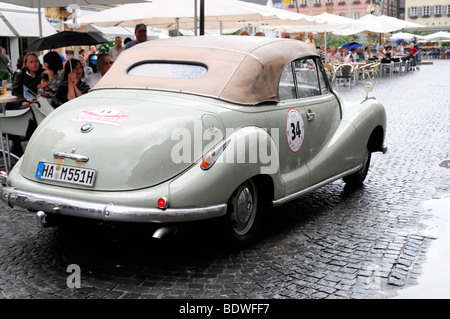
106	212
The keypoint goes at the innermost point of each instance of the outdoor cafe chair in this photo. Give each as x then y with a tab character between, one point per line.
41	109
12	122
387	64
331	71
345	74
363	71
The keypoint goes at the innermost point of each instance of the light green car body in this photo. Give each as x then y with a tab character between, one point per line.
156	150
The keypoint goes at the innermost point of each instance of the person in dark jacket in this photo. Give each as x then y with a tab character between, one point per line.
30	76
71	85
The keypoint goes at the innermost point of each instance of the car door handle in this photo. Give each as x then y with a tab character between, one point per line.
75	157
310	115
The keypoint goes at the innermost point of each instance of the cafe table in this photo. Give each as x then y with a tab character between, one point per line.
6	99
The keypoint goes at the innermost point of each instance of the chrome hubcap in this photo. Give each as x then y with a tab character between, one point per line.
244	206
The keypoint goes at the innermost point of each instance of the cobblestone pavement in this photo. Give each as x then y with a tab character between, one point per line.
332	243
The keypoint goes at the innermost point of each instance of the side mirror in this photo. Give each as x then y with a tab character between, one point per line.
368	87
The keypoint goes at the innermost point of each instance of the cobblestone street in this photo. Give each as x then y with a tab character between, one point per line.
334	243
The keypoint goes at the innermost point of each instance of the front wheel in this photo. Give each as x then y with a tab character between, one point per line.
245	213
358	177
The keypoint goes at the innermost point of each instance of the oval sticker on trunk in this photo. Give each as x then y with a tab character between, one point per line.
106	116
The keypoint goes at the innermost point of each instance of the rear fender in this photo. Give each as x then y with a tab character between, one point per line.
249	152
369	119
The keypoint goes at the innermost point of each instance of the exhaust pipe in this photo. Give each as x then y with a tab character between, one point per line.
163	232
41	219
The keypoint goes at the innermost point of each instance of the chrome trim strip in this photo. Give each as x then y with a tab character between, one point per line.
75	157
288	198
107	212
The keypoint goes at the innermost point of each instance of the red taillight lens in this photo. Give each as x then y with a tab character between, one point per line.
163	203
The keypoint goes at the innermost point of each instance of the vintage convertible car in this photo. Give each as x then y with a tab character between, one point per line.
193	128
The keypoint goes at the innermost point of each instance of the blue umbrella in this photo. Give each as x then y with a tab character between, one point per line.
350	45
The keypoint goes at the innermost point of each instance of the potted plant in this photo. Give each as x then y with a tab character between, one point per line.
5	75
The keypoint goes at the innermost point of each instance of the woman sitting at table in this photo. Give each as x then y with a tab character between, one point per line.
351	57
29	76
380	53
71	85
388	53
343	54
53	65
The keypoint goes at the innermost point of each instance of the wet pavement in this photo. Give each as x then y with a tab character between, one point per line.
388	239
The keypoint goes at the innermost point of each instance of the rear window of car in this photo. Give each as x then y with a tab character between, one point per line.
169	70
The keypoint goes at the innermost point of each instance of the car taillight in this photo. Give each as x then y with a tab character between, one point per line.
210	158
163	203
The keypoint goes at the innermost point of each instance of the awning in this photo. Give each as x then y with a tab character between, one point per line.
110	32
21	24
5	31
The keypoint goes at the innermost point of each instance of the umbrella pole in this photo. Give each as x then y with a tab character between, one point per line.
195	17
202	17
40	20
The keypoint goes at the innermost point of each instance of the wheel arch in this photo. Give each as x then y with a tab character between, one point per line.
376	140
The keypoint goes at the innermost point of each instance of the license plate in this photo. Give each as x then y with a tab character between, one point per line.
64	173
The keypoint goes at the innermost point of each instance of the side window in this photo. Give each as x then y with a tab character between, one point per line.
307	78
286	88
323	84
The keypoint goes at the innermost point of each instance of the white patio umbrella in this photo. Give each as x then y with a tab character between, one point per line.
177	14
377	24
438	36
406	36
61	3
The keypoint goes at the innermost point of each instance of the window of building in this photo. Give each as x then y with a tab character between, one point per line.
426	11
413	12
356	15
437	11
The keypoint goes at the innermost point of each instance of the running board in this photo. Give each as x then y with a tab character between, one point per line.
288	198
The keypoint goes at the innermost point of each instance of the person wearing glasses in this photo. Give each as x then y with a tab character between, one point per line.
104	63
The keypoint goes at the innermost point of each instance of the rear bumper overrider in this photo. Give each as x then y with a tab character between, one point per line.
105	212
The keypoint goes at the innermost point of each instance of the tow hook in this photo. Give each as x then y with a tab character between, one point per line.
41	219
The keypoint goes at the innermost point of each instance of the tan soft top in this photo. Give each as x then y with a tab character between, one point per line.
241	69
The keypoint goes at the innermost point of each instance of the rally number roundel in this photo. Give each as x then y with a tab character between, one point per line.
295	130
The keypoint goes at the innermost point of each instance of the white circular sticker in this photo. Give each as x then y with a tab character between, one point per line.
295	130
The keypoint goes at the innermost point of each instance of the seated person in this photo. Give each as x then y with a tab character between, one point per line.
380	53
45	91
29	76
104	63
71	85
360	56
388	53
351	57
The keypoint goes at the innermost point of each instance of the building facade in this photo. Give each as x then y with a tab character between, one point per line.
353	9
435	14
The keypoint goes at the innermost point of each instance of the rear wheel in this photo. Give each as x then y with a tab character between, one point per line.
358	177
245	213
